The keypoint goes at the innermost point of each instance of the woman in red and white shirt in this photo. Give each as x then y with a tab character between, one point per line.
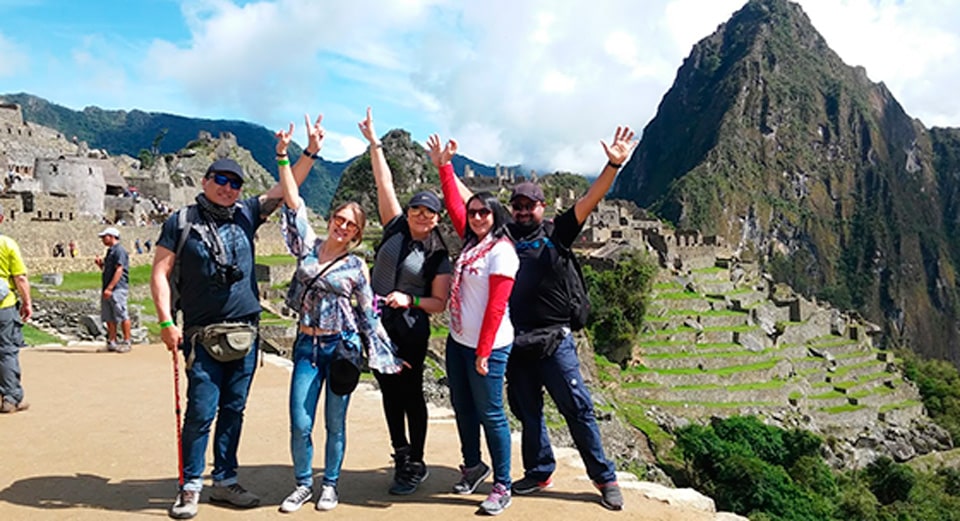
481	333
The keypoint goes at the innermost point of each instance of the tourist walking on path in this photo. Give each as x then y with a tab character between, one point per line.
115	267
481	334
215	278
328	347
411	273
14	312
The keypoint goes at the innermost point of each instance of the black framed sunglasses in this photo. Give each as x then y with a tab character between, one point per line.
523	207
222	179
479	212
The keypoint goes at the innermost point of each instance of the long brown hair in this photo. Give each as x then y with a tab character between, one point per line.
358	214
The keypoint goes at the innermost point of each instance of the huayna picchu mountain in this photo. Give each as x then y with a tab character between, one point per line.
770	140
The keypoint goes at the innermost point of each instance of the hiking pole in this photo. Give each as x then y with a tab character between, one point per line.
176	392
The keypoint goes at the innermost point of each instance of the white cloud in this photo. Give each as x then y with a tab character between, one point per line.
13	59
538	82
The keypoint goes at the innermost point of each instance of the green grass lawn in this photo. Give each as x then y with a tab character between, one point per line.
34	337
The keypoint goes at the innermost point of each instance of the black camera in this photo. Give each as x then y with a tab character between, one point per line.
228	275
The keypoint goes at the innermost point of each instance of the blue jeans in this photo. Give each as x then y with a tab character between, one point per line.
478	400
560	374
214	389
11	338
311	365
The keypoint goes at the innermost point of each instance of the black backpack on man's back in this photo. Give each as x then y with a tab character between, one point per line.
568	267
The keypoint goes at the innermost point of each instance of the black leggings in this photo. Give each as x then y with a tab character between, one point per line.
404	404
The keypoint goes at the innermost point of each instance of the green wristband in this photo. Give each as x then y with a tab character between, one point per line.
416	301
165	324
283	162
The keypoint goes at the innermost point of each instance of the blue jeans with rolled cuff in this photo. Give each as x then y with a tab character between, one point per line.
214	390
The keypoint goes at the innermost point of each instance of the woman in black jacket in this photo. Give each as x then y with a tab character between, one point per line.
411	274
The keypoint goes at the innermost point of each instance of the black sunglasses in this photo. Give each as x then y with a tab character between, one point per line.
222	179
479	212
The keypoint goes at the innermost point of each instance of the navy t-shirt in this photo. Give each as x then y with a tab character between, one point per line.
116	256
203	300
539	297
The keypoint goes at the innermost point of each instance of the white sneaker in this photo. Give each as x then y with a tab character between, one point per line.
328	498
296	499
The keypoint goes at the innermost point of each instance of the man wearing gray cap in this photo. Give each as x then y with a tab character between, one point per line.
115	283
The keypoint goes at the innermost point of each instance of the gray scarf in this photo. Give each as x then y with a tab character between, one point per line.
215	212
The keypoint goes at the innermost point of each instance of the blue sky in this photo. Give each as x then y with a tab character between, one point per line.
537	82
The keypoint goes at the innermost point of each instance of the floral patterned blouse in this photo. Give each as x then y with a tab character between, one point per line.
327	303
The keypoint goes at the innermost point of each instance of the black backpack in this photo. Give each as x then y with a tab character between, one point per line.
568	268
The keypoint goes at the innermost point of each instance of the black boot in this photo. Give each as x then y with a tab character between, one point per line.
400	459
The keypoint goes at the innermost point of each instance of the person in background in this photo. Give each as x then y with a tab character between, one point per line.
115	266
217	285
412	274
16	307
328	347
481	334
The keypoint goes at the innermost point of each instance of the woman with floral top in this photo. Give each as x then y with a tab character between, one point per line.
329	277
481	334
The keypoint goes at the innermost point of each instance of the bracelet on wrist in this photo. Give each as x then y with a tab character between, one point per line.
376	145
311	155
165	324
283	162
416	301
279	155
614	165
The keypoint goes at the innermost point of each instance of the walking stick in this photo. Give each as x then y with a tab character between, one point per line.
176	392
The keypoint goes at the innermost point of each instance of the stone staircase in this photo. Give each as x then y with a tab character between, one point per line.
722	342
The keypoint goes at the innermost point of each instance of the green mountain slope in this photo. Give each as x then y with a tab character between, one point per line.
767	138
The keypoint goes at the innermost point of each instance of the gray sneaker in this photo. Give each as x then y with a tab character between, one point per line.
328	498
611	496
296	499
123	347
497	501
470	478
234	495
185	507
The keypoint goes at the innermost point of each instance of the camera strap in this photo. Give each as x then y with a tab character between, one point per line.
212	240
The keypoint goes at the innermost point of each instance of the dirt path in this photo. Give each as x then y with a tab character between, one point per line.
99	443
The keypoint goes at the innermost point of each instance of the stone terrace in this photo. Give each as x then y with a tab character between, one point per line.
721	341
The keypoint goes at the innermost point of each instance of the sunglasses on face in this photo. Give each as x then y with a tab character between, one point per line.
222	179
339	221
421	211
523	207
478	212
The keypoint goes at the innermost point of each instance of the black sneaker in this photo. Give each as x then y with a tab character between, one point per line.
409	478
529	485
470	478
611	496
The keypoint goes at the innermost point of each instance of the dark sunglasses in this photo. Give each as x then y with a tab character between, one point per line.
523	207
479	212
421	211
222	179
